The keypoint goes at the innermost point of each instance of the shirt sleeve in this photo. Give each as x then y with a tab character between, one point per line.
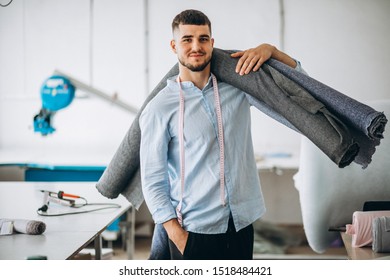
299	67
153	163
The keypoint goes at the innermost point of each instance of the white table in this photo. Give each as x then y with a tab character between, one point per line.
66	235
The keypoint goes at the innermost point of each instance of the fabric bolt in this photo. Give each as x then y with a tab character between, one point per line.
324	128
26	226
363	117
361	227
366	125
381	234
295	104
122	175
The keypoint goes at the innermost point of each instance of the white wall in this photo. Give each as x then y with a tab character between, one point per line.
343	43
93	41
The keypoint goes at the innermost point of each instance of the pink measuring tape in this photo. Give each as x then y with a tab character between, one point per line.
182	152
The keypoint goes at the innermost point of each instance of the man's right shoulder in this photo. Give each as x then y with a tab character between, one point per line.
161	104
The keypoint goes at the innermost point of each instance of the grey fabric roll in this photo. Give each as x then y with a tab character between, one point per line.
285	100
122	175
295	104
26	226
365	124
381	234
361	116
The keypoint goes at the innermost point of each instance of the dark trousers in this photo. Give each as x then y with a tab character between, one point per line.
231	245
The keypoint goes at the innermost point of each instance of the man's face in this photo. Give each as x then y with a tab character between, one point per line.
193	45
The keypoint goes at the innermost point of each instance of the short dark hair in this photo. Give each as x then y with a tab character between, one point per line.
192	17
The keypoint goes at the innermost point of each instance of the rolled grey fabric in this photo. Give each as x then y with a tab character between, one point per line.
381	234
280	97
122	175
294	103
366	125
26	226
361	116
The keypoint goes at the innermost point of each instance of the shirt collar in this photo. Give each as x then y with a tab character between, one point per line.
172	83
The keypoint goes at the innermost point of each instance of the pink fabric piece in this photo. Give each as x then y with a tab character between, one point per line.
361	227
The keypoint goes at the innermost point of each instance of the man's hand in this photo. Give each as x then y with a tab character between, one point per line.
176	234
252	59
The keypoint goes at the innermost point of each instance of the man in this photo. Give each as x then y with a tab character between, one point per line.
198	171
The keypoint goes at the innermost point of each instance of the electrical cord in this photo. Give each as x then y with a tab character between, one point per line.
42	211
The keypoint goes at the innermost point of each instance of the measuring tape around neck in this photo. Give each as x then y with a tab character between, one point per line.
182	151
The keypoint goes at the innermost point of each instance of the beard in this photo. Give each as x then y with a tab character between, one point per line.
195	68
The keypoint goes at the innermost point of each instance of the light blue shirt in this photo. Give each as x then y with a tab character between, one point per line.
202	209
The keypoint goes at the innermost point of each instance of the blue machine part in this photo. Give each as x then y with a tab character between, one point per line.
57	92
42	122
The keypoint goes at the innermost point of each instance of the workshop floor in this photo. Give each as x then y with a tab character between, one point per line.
141	250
